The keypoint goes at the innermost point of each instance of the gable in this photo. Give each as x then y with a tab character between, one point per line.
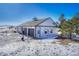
48	22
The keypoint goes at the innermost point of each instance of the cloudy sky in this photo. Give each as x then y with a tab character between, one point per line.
15	14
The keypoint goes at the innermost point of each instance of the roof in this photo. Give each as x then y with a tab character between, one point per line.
33	23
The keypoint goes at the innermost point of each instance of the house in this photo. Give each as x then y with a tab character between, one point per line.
39	28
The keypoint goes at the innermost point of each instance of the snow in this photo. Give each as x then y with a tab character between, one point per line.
39	48
11	45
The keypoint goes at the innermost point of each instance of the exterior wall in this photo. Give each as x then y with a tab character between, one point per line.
48	26
40	32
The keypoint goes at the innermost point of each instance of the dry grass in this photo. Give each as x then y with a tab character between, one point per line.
66	41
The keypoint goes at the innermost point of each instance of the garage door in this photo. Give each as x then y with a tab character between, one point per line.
31	32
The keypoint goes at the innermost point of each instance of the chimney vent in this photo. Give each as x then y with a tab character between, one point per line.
35	19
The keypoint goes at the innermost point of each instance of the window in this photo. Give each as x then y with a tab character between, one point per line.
45	32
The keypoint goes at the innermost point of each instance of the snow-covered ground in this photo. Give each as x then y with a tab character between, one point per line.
39	49
6	38
11	45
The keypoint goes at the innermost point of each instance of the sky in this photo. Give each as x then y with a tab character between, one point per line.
17	13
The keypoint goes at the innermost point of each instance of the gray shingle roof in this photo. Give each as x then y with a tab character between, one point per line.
33	23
